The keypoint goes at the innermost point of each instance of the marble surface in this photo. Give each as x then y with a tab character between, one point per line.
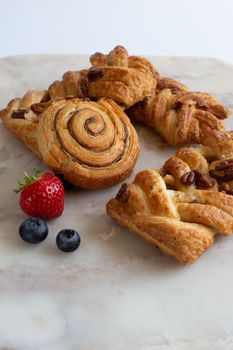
116	292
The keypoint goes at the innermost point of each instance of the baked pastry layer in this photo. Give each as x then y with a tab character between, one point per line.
180	116
93	144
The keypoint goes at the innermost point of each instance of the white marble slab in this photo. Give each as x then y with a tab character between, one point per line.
116	292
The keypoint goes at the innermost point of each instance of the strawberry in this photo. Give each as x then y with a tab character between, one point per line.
41	196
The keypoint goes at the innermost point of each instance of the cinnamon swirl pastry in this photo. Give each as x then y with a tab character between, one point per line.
180	116
93	144
126	79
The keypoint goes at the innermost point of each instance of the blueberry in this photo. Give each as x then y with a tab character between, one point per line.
68	240
33	230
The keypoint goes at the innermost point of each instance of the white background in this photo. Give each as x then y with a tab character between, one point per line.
159	27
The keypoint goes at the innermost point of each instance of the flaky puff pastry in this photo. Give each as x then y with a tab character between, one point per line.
92	144
180	224
126	79
180	116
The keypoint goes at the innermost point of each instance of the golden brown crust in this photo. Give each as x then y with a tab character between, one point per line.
180	224
180	116
126	79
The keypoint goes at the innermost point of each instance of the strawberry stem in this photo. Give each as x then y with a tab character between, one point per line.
28	180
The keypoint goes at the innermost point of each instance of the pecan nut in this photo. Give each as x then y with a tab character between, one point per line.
203	180
38	108
188	178
223	171
123	194
225	164
18	115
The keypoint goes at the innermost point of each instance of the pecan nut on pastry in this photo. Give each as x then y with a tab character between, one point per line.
92	144
181	224
180	116
21	116
209	167
126	79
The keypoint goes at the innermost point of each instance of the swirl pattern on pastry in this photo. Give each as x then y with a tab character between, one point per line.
180	224
92	144
126	79
180	116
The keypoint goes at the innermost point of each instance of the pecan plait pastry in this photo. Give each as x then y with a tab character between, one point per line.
92	144
180	116
181	207
126	79
180	224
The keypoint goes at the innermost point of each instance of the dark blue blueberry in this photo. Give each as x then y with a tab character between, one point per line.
68	240
33	230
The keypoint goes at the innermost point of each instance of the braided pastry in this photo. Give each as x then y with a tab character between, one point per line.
180	224
180	116
92	144
126	79
180	208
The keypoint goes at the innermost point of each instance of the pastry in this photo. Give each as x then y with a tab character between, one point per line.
180	116
181	207
21	116
180	224
92	144
209	167
126	79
